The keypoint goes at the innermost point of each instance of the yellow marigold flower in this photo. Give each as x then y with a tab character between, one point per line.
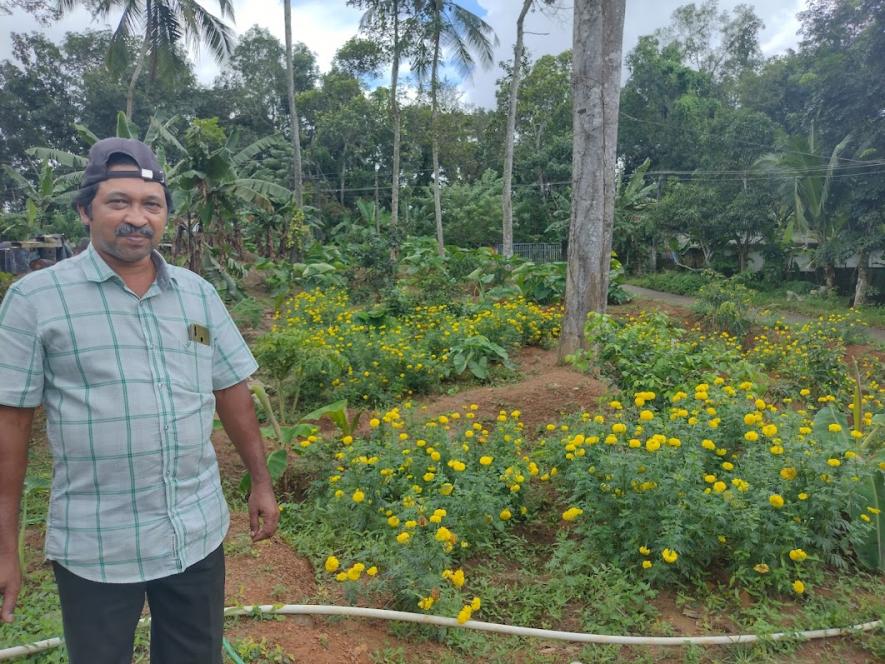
769	430
644	550
856	434
776	450
762	568
805	430
804	392
873	510
646	564
339	493
760	404
443	534
652	445
403	537
358	496
709	478
708	444
341	576
776	500
646	415
802	496
464	615
347	440
750	419
797	555
616	405
834	463
619	427
505	514
834	428
798	587
719	487
372	571
425	603
727	465
374	422
611	439
864	517
442	419
669	555
475	603
486	460
572	513
331	564
788	473
550	427
751	436
354	573
634	443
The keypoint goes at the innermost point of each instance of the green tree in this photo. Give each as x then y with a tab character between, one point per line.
449	29
161	25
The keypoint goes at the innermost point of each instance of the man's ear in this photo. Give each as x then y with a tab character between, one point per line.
85	215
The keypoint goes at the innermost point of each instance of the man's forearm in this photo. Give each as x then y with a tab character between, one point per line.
15	432
237	413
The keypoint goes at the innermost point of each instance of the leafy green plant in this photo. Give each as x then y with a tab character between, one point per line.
543	283
6	280
725	305
616	292
475	353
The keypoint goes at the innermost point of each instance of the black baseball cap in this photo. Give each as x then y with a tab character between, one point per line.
99	154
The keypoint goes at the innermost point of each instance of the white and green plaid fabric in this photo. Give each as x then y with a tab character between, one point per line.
128	396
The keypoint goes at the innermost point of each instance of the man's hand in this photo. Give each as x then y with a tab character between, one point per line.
264	515
10	584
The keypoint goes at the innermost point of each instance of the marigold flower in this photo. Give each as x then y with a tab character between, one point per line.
788	473
646	564
374	422
644	550
486	460
475	603
798	587
719	487
797	555
752	436
834	463
358	496
425	603
505	514
776	500
331	564
464	615
646	415
834	428
670	556
372	571
403	537
762	568
572	513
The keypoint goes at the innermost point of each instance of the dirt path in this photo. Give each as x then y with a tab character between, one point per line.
875	333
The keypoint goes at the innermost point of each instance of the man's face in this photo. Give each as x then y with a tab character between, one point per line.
128	217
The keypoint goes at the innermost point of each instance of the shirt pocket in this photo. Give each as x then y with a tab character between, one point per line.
190	365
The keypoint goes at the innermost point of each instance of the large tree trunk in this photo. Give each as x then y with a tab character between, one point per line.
507	195
139	65
294	124
863	278
434	130
596	78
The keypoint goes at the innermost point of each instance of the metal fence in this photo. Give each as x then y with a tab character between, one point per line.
537	252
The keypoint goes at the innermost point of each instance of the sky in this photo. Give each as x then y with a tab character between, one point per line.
324	25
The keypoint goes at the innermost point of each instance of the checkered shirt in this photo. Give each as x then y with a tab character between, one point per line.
129	404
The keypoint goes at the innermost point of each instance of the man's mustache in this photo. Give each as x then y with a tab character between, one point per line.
125	229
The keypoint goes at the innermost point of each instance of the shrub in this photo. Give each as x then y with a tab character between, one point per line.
724	306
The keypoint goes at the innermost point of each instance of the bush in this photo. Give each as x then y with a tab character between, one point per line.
716	479
724	306
681	283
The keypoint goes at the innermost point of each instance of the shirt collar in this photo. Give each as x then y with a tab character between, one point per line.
96	269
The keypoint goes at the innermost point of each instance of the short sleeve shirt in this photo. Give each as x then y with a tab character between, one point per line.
127	384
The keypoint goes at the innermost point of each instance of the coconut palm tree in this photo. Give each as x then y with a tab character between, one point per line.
446	26
162	25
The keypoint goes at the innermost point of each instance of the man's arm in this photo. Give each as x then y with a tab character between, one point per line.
15	432
237	413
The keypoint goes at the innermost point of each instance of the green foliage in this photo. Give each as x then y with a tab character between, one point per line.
476	353
6	280
652	352
724	306
681	282
543	283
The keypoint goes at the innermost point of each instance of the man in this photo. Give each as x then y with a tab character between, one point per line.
130	357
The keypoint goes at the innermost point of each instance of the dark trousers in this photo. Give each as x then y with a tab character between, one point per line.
187	615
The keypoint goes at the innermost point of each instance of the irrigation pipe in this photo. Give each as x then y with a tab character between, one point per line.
386	614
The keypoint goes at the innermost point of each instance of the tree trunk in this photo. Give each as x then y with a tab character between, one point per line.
863	278
596	77
507	195
434	130
294	123
139	65
395	120
830	276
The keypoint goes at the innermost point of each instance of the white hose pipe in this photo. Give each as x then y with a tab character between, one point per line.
331	610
